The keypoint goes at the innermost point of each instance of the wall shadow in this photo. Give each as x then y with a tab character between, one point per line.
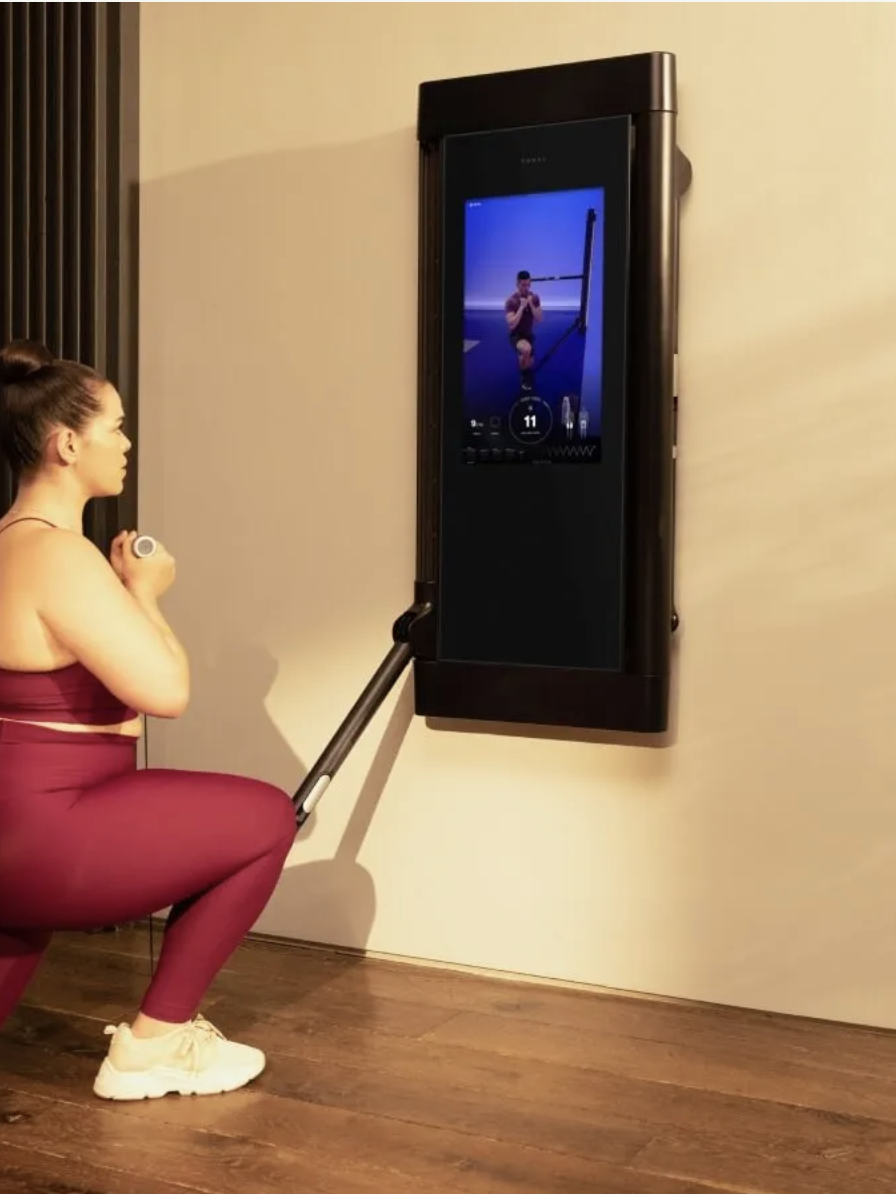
227	724
333	900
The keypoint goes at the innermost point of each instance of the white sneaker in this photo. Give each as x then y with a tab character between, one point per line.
193	1059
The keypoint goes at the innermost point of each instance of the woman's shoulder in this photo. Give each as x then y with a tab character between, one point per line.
51	550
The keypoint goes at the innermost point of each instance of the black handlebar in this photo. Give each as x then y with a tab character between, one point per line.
381	683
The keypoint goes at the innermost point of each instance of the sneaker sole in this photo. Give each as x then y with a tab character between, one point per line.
131	1087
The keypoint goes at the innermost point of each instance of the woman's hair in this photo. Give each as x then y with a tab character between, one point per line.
37	393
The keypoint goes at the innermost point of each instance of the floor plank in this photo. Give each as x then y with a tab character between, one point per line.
727	1065
24	1171
201	1160
860	1049
389	1077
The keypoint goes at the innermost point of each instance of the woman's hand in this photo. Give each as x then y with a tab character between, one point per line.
116	553
150	576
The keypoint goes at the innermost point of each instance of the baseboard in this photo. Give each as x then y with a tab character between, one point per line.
546	981
492	974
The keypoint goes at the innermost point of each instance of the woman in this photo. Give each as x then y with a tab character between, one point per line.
86	839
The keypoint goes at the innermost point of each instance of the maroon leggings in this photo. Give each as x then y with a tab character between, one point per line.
87	840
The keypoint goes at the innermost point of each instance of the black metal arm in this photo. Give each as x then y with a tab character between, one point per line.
404	634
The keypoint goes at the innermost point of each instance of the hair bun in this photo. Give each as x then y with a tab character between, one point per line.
20	358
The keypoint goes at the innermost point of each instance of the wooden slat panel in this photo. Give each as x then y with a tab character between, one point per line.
68	170
37	168
56	124
20	144
73	140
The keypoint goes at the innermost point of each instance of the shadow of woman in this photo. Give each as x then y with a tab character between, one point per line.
227	727
332	901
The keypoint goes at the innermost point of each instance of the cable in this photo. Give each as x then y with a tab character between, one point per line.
152	961
142	547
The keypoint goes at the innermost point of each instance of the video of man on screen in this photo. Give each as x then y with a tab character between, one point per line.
533	288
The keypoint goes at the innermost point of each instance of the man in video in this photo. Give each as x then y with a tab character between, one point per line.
522	311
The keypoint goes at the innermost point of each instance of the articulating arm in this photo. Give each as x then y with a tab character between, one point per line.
406	633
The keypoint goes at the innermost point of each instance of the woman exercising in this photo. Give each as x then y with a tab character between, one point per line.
87	839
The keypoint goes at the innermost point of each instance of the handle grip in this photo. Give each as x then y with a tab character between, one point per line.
144	546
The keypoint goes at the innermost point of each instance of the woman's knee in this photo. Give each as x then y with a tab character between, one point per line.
256	812
271	811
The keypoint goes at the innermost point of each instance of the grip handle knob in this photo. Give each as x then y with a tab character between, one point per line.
144	546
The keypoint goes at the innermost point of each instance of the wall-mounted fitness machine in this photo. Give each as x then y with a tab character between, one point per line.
547	403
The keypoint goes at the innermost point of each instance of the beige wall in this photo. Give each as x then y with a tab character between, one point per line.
755	861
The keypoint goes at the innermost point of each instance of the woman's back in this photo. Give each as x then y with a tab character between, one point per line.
25	641
40	680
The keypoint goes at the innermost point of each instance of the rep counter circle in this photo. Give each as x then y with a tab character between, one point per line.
530	421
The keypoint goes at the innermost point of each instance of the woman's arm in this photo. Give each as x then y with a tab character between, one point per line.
148	603
118	634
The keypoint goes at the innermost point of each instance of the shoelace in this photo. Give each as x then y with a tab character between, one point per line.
198	1034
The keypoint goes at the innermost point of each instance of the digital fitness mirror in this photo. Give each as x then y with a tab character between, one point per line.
547	403
549	261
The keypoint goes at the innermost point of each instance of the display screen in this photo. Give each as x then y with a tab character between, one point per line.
532	329
534	268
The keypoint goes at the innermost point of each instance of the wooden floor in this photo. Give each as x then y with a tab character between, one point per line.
399	1080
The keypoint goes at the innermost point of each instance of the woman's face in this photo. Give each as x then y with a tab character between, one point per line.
101	459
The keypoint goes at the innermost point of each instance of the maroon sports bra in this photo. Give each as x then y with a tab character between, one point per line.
67	695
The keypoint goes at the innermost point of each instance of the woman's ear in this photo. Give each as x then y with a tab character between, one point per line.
62	446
